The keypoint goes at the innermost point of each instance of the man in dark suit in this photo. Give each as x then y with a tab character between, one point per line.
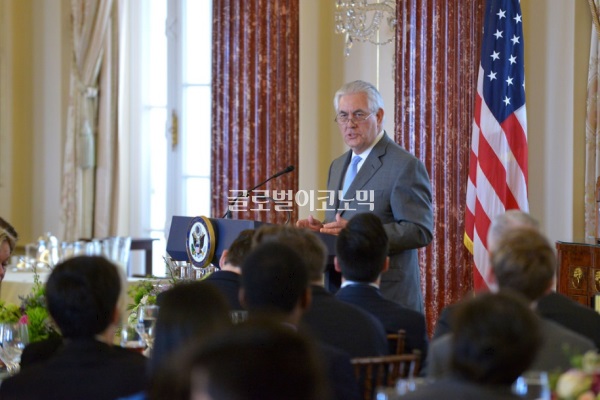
523	261
362	248
552	306
377	175
275	284
334	322
570	314
82	296
227	279
495	339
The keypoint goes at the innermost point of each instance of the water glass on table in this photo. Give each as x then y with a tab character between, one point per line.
131	338
13	338
146	323
533	385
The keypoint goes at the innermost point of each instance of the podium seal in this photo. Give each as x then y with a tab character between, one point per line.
200	241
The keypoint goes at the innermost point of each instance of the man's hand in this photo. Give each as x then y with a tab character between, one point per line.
311	223
334	228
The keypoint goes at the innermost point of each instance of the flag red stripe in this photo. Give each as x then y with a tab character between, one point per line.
482	223
494	170
517	140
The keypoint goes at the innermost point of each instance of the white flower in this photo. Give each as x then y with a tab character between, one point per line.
573	383
590	362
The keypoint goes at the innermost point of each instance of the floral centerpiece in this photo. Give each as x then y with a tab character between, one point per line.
143	293
146	291
582	382
32	311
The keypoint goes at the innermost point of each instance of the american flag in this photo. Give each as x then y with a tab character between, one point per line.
498	158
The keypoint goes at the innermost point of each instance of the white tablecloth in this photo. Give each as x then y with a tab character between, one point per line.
19	283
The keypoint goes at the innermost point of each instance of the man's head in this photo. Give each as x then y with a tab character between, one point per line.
8	241
524	261
234	256
275	281
359	114
506	222
82	294
362	248
180	322
304	241
256	360
495	337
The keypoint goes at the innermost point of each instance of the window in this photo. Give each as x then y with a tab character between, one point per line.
170	100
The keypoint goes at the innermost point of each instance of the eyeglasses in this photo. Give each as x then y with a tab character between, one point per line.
356	118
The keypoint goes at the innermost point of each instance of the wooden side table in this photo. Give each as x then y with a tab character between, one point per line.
578	275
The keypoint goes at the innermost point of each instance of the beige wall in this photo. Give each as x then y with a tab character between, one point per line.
35	57
37	62
557	49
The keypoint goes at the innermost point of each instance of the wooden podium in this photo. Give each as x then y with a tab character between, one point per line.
227	230
578	275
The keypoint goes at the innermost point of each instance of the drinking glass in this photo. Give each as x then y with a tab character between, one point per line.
13	337
532	385
131	338
146	324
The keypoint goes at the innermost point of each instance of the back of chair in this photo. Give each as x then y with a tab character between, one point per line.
372	372
396	341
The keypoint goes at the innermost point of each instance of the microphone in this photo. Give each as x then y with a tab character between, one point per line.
287	169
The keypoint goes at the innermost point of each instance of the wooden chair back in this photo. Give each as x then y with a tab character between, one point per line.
396	341
373	372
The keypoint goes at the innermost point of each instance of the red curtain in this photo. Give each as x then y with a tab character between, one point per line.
255	105
438	52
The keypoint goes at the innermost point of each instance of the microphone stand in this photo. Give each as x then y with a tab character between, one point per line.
285	171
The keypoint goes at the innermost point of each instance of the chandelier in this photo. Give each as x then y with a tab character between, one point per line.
361	20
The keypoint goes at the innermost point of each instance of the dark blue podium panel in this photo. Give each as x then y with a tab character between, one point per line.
226	231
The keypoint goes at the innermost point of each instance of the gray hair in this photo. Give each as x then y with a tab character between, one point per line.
507	222
373	96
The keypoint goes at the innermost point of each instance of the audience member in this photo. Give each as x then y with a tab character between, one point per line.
495	338
189	313
255	360
524	261
362	256
8	241
553	306
82	296
275	284
333	322
227	279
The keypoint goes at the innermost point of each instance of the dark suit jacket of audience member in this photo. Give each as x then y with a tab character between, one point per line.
571	314
81	369
340	373
392	315
344	326
558	347
460	389
37	352
553	306
228	283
